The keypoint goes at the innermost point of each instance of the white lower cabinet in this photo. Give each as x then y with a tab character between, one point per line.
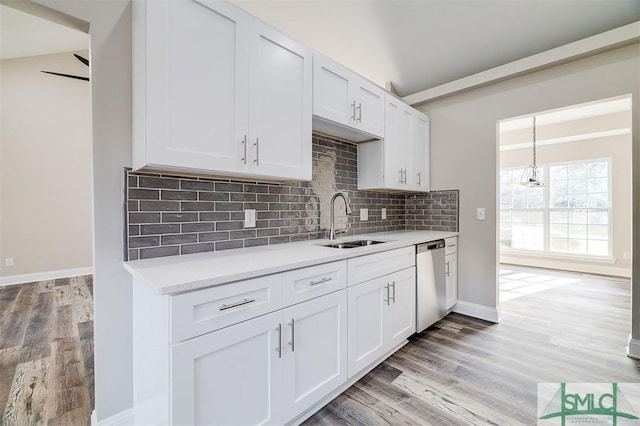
451	271
266	370
381	316
229	377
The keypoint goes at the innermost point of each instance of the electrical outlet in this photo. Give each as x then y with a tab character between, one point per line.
364	214
480	213
8	261
626	255
250	218
384	213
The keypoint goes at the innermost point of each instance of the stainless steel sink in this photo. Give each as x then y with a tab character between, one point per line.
353	244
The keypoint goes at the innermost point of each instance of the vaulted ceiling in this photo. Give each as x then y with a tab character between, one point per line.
421	44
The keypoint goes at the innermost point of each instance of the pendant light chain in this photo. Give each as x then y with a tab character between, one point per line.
534	141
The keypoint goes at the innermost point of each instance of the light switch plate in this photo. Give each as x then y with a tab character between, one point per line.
364	214
8	261
480	213
626	255
250	218
384	213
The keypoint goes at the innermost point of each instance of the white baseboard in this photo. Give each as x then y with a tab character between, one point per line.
41	276
478	311
633	348
598	268
123	418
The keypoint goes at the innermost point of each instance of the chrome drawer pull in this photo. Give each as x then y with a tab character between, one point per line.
279	348
244	146
234	305
447	268
359	112
394	291
292	343
388	299
324	280
353	116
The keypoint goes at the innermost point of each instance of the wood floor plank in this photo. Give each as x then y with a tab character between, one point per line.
82	302
26	404
13	328
85	331
8	362
37	340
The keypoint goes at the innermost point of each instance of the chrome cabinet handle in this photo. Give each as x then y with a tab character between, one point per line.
394	291
257	152
419	178
292	343
359	112
279	348
235	305
353	108
404	175
388	298
447	268
400	179
324	280
244	146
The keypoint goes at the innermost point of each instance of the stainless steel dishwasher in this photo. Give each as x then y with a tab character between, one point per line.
430	284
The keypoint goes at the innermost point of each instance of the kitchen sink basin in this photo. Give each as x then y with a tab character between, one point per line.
353	244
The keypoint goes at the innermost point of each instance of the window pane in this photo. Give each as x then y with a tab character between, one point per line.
598	248
598	217
599	169
578	231
577	171
558	172
577	246
505	216
559	245
558	187
598	200
559	201
578	216
598	232
519	216
577	200
535	217
519	202
577	186
559	231
528	237
536	201
559	216
598	185
505	235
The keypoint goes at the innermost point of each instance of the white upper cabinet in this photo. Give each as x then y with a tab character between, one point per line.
217	91
401	160
345	104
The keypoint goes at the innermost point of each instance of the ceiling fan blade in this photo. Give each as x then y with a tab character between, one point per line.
81	59
77	77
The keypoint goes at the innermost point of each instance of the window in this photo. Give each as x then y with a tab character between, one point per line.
570	215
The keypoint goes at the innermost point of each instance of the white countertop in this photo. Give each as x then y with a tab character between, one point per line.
176	274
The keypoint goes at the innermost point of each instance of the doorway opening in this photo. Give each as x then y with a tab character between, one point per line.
579	218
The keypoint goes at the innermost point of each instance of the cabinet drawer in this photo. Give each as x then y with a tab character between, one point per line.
199	312
307	283
451	245
365	268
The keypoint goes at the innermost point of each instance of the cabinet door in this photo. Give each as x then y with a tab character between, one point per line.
401	322
315	351
420	142
331	95
369	107
196	85
397	144
367	305
280	105
231	376
451	270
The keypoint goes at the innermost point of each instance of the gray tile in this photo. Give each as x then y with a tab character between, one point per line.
132	181
134	230
158	182
258	189
167	240
279	206
289	230
269	232
229	187
190	206
227	245
197	248
279	189
256	206
144	194
276	223
144	218
158	206
242	196
268	215
133	255
268	198
213	196
160	229
256	242
225	226
214	216
280	239
198	227
241	235
228	207
196	185
133	205
212	236
148	253
179	195
138	242
179	217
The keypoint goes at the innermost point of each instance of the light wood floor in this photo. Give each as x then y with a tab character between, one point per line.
464	371
46	352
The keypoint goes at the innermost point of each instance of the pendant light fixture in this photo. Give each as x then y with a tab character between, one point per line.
532	175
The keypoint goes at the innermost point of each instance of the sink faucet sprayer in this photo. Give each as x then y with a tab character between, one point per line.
332	231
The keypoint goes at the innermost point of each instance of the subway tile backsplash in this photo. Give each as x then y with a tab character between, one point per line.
171	215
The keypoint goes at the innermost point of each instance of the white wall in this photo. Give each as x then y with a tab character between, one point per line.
110	31
618	148
45	166
464	132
